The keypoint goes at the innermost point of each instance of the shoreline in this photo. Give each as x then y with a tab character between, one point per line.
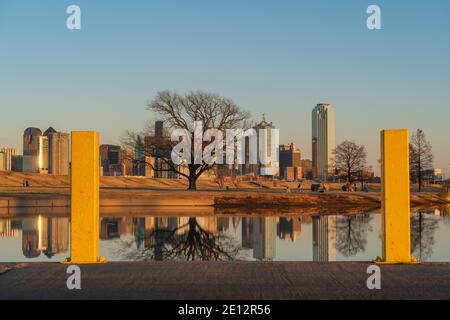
247	200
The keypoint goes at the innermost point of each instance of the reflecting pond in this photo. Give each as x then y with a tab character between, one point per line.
44	238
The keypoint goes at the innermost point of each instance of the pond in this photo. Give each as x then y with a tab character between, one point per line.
45	238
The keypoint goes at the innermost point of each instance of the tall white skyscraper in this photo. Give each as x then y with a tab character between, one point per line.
268	142
323	140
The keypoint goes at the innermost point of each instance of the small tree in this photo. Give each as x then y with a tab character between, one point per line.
420	157
350	160
179	111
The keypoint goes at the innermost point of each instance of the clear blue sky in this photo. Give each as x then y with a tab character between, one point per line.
274	57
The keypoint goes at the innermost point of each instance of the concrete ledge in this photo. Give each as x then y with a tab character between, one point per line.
227	280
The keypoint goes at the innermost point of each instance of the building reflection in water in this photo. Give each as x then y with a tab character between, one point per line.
10	228
324	238
220	238
264	238
49	236
289	228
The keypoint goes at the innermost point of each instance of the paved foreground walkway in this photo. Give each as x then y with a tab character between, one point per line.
235	280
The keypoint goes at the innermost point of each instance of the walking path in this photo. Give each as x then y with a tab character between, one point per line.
228	280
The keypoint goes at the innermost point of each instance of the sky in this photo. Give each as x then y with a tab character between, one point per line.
278	58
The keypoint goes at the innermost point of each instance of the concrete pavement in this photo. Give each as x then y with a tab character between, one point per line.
229	281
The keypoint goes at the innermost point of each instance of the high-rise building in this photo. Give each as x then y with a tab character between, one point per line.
111	160
2	161
43	155
290	159
9	153
139	157
323	140
58	152
159	129
157	152
268	143
17	163
32	156
307	168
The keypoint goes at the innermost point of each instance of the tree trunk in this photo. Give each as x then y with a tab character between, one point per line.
420	169
349	180
192	182
419	178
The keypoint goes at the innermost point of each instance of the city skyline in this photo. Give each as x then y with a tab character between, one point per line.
50	152
393	78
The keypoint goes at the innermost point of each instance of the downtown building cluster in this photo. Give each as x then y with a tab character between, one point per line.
49	153
43	153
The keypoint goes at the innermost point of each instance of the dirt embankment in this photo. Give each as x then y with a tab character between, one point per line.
135	191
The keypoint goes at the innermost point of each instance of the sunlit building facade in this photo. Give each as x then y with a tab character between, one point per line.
43	155
32	157
267	146
8	155
58	152
323	140
2	161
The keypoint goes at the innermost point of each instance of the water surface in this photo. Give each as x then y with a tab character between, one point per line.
45	238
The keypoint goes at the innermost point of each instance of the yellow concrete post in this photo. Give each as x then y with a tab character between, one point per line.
85	199
395	197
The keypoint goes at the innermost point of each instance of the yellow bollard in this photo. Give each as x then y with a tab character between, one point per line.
395	197
85	199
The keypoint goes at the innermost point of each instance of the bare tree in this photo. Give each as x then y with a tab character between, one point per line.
182	112
350	160
420	157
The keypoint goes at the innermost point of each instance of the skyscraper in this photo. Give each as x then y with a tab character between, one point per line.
2	161
32	150
111	160
58	152
46	153
323	140
43	155
268	144
290	157
159	129
9	153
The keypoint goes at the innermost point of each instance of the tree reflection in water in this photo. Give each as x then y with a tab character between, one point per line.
445	215
351	234
423	227
188	241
